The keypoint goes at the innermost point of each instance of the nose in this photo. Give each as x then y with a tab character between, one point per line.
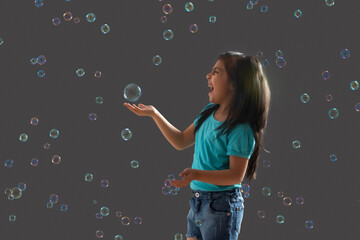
207	76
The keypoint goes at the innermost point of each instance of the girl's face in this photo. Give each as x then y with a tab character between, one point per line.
222	89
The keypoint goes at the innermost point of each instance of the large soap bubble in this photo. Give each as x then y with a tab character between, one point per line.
132	92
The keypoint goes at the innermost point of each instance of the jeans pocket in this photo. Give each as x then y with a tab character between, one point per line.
219	205
238	209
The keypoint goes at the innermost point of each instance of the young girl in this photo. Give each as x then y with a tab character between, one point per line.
239	106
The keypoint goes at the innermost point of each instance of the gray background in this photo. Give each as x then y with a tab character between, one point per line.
178	89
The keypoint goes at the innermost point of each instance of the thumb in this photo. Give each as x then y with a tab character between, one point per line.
182	173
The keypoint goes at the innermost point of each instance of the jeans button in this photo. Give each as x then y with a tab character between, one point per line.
197	194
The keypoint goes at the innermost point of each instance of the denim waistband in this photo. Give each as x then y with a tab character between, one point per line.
213	194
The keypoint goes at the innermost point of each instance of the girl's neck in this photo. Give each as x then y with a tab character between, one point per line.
220	116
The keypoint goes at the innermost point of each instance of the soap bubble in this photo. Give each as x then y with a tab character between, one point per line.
105	28
189	6
333	113
325	75
41	73
54	198
298	13
90	17
125	221
56	159
54	133
264	8
138	220
354	85
193	28
39	3
329	3
99	234
22	186
67	16
80	72
280	219
157	60
92	116
118	237
41	60
305	98
104	211
89	177
12	218
104	183
126	134
97	74
99	100
16	193
134	164
287	201
266	191
261	214
300	200
118	213
132	92
167	8
98	216
9	163
34	121
64	207
178	236
212	19
280	62
56	21
163	19
309	224
168	34
34	162
23	137
33	61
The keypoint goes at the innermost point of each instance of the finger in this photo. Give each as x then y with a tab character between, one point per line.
133	108
136	107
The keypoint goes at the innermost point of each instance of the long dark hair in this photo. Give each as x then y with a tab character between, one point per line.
250	103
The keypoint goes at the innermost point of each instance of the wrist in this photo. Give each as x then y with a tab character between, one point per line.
197	174
155	114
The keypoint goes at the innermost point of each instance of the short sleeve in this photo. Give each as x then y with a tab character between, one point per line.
198	117
241	142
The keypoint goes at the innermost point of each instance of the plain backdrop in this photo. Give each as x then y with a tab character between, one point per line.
178	89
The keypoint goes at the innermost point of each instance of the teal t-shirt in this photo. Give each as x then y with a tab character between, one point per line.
214	155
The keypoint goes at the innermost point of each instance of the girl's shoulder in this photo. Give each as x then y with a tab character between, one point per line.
243	127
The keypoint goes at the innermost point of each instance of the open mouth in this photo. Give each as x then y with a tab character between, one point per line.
212	88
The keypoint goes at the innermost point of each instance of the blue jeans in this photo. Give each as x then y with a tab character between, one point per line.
215	215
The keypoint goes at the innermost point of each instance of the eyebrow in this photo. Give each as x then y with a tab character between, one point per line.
218	68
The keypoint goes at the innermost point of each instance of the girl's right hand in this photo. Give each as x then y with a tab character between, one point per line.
142	110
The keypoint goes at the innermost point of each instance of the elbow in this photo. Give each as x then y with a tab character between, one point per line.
237	182
237	179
